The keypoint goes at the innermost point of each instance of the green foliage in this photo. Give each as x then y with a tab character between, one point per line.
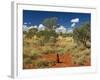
38	44
68	35
79	56
47	36
25	55
61	50
50	22
27	61
82	34
42	64
26	44
24	32
31	32
34	54
48	50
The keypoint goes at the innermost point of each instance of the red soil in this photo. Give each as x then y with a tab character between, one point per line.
65	60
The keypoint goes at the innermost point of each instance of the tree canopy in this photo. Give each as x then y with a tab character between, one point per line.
82	34
50	22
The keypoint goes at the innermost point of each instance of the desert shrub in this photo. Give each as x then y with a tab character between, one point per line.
80	56
79	60
87	52
47	50
44	64
26	44
31	32
34	54
41	64
82	34
61	50
50	44
26	52
27	61
35	42
25	55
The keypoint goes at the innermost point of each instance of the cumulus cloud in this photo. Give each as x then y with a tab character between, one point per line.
61	29
25	23
73	24
33	27
25	28
41	27
75	20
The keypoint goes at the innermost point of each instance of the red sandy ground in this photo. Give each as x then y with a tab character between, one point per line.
65	61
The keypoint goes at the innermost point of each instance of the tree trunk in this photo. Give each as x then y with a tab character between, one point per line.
58	61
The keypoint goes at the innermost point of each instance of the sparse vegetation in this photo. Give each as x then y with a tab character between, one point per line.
82	35
46	48
42	64
34	54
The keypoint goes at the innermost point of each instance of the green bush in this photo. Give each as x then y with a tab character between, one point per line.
27	61
34	54
61	50
47	50
42	64
80	56
26	44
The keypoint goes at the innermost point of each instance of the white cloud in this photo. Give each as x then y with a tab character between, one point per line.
75	20
73	24
25	23
25	28
33	27
41	27
61	29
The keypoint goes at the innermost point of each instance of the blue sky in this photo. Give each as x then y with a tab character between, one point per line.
31	17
